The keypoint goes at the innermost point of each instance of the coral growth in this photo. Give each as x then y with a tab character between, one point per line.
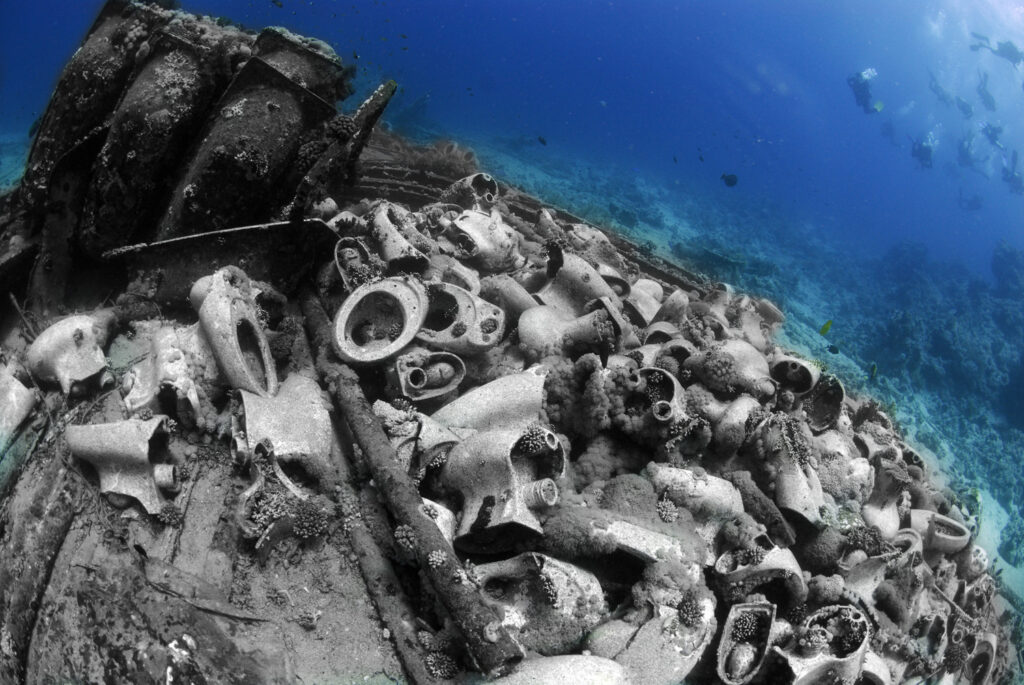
171	515
604	457
566	536
576	397
747	628
630	494
891	602
667	583
821	551
310	519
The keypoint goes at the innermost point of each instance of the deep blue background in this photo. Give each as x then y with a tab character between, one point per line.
759	87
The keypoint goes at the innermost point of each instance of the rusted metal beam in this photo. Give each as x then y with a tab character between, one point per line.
488	642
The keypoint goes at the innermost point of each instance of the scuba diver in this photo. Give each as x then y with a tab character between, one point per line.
1012	178
941	93
922	151
970	204
992	133
965	155
1004	48
982	91
860	84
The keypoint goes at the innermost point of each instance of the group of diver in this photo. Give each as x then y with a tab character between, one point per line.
922	150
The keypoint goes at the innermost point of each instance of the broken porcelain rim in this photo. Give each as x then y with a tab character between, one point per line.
483	187
640	307
651	287
378	320
572	284
394	247
668	407
503	477
798	491
674	309
794	374
660	333
483	238
509	294
450	270
70	353
243	456
769	312
421	374
764	614
624	332
939	533
358	255
777	563
131	458
823	405
458	321
514	400
533	591
226	303
810	661
615	280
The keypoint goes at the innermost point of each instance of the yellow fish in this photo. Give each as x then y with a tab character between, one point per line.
826	327
879	106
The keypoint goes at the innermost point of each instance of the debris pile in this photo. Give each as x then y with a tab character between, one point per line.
553	458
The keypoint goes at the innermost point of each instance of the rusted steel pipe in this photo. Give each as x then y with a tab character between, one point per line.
489	643
393	605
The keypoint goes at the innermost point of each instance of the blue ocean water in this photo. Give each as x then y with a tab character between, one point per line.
630	112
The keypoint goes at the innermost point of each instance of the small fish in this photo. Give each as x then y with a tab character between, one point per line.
826	327
730	180
542	140
355	55
834	349
874	371
278	3
674	160
404	36
700	154
879	106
